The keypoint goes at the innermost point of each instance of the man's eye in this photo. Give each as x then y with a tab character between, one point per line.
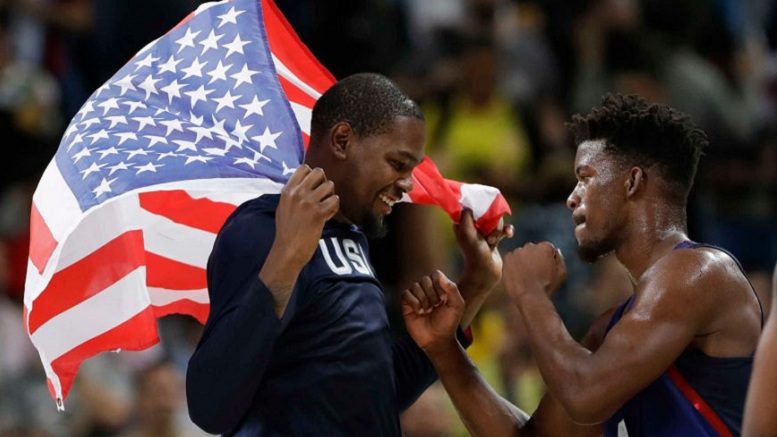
398	166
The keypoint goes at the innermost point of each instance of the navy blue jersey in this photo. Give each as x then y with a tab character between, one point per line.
329	367
698	395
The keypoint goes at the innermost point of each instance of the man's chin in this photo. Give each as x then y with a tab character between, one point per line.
374	227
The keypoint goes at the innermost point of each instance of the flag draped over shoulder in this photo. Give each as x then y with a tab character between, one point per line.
212	114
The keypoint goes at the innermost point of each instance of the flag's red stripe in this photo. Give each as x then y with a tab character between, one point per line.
163	272
88	276
295	94
286	45
42	241
698	403
184	306
135	334
180	207
429	188
305	140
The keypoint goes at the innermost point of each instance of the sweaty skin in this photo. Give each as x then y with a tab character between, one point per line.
682	298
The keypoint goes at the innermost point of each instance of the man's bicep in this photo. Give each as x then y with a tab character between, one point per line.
642	345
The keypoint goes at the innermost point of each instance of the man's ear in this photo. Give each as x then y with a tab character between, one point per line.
635	181
341	136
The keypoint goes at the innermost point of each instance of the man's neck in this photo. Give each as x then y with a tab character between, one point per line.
651	236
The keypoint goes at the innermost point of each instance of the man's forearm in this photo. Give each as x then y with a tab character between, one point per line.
559	357
474	294
279	274
482	410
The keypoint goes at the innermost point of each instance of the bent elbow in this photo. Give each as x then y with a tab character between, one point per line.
205	410
586	410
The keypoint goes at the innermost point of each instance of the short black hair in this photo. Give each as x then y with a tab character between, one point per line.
369	102
645	134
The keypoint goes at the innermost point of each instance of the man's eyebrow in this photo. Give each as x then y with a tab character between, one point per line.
409	156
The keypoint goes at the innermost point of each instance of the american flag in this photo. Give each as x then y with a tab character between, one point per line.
212	114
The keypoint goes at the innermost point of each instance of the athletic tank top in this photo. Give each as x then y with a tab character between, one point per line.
698	395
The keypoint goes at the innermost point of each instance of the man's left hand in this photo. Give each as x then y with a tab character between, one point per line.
482	261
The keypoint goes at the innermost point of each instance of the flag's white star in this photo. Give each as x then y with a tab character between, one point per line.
105	152
252	162
236	46
149	85
146	62
133	153
82	154
134	105
166	155
255	107
199	94
116	119
198	158
104	87
227	100
201	131
70	129
287	170
185	145
161	110
211	42
124	136
108	104
218	127
92	168
243	76
86	124
247	161
240	131
215	151
187	40
172	125
153	140
170	65
144	121
218	73
267	139
229	17
120	166
125	83
87	108
193	119
195	69
147	167
76	140
173	90
104	187
102	134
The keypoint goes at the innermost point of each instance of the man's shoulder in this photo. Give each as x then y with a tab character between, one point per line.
251	224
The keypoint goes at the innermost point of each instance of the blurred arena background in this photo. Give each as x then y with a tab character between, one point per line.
497	79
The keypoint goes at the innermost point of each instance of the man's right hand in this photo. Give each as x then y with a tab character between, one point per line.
432	308
307	201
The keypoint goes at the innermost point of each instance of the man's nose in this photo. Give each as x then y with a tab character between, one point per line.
573	201
405	184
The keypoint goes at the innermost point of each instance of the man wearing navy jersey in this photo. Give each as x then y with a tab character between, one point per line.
675	358
297	341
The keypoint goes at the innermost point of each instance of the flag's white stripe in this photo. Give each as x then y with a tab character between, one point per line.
478	198
175	241
303	114
163	296
56	204
291	77
99	314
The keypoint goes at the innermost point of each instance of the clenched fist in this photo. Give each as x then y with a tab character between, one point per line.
534	268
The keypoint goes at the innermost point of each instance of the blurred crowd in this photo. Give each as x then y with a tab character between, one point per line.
497	80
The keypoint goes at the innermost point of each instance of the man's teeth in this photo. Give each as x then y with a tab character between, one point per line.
387	200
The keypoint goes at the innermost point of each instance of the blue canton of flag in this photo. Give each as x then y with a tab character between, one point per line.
201	102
